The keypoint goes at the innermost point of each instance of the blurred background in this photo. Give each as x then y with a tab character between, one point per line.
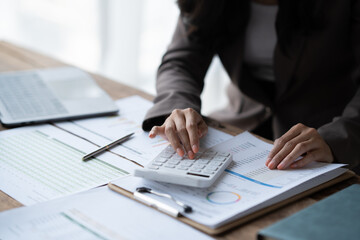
120	39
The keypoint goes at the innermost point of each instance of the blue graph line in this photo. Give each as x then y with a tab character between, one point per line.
251	179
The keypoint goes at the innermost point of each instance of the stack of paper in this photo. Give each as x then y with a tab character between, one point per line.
245	187
42	163
96	214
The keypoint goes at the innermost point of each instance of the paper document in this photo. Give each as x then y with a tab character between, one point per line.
139	148
96	214
43	162
249	154
246	186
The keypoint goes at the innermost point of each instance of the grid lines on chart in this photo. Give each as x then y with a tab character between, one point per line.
52	163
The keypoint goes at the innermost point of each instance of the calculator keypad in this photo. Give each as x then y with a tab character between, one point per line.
202	171
204	162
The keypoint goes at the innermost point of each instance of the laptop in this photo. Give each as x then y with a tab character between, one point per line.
55	94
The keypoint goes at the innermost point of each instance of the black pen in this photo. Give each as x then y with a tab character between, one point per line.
104	148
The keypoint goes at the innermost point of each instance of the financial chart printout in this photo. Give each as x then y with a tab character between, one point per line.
246	185
250	155
42	163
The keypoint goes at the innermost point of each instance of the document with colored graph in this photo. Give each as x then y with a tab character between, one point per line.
245	187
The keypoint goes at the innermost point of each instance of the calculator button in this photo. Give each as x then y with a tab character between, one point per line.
203	161
182	168
161	160
219	158
215	163
209	171
195	170
166	155
188	161
211	152
176	157
156	164
199	166
175	162
223	154
211	168
154	167
186	164
169	149
207	156
170	165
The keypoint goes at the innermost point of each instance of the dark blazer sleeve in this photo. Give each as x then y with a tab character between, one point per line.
343	133
180	78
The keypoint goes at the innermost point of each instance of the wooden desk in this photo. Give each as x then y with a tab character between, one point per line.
16	58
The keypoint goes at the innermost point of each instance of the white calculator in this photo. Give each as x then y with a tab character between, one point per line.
202	171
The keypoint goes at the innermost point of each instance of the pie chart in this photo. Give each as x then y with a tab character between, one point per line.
223	197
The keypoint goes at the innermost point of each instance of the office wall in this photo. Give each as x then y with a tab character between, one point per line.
121	39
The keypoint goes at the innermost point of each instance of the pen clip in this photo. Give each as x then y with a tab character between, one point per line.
156	204
186	208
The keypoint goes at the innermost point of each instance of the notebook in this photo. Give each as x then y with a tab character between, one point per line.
54	94
336	217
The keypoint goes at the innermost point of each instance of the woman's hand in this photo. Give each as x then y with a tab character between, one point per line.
300	140
183	129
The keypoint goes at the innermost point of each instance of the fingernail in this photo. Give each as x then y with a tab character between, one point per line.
190	154
280	166
180	152
195	148
267	161
294	165
271	165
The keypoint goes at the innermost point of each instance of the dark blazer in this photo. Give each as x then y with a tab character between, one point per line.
316	82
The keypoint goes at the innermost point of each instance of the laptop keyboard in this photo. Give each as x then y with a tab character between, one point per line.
28	96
